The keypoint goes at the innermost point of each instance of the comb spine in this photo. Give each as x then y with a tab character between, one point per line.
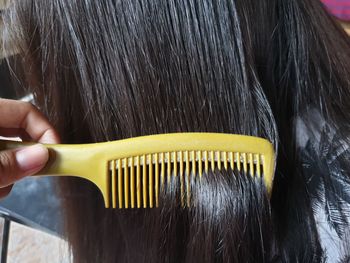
162	171
206	162
144	180
251	164
174	157
156	172
126	183
138	181
169	170
181	167
150	180
114	184
200	168
225	160
193	161
120	181
188	181
132	182
187	159
245	166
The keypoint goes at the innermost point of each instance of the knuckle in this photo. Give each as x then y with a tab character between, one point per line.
6	167
28	106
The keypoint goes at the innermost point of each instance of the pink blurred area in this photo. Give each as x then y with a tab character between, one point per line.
338	8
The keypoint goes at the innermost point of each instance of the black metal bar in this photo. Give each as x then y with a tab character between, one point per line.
5	240
11	216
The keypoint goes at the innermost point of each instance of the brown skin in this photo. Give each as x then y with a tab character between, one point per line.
22	119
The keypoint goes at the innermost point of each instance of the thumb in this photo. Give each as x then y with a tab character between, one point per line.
15	164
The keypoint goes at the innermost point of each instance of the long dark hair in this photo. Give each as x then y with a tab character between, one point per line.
106	70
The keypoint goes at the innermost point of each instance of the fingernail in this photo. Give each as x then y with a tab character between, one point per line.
50	137
32	157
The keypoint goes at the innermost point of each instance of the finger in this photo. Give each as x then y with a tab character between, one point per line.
5	191
15	132
18	114
15	164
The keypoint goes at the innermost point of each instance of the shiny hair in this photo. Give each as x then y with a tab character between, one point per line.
106	70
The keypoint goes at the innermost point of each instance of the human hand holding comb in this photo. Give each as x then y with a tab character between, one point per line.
131	173
22	119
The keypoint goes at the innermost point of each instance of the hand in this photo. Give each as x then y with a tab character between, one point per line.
22	119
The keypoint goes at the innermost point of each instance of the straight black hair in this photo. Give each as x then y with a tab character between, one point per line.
105	70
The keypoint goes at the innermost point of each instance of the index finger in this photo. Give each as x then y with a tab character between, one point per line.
23	115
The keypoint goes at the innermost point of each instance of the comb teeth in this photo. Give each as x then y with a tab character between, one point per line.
136	182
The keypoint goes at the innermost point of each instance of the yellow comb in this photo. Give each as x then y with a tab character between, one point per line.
131	172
